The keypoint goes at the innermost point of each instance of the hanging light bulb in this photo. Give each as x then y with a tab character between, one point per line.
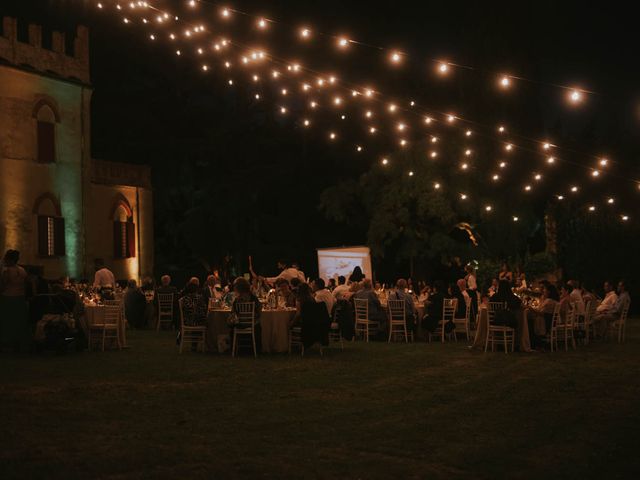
395	57
502	164
575	96
343	42
305	33
551	160
262	23
443	68
225	12
505	81
515	219
488	208
463	196
385	161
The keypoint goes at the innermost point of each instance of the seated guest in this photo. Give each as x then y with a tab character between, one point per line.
135	304
332	284
565	300
211	290
194	307
286	298
493	288
604	317
376	312
341	289
505	274
295	283
575	296
312	317
401	293
425	291
504	294
610	298
193	282
321	294
540	317
243	294
433	310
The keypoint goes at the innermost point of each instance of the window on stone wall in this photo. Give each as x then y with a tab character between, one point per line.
50	228
46	122
124	234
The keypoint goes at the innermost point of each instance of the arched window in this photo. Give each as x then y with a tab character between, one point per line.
50	226
124	230
46	115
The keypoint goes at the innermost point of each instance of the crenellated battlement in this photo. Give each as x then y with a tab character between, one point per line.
56	60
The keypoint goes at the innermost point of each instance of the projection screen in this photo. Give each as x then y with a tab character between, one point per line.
333	262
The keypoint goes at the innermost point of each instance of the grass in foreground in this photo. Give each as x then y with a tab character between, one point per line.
372	411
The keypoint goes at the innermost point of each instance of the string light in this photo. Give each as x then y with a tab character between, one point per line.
463	196
502	164
433	154
332	136
305	33
436	186
496	177
592	208
488	208
443	68
464	166
575	94
343	42
574	189
527	188
624	218
560	197
385	161
428	120
467	152
307	122
515	219
505	82
537	177
411	173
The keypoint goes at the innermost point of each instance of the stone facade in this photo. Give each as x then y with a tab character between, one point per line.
60	208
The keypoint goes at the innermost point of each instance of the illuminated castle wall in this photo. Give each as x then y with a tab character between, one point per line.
59	207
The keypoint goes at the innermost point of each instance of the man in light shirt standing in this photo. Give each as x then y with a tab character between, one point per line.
103	277
287	273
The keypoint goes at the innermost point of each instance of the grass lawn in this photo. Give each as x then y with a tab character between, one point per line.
372	411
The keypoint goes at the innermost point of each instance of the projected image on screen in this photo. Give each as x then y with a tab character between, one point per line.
333	262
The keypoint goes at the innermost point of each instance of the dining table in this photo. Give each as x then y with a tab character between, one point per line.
274	327
522	338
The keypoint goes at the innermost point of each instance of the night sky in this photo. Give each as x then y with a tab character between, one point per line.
209	145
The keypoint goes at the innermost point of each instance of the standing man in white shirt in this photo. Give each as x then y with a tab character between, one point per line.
287	273
321	294
103	277
342	288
